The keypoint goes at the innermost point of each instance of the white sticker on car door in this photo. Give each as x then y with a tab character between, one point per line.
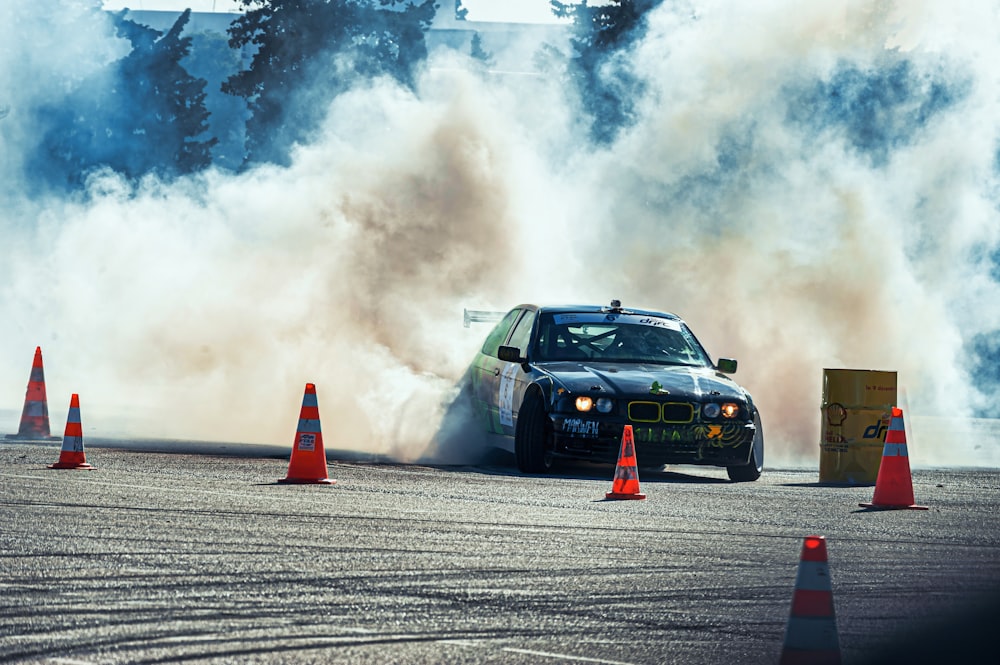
506	400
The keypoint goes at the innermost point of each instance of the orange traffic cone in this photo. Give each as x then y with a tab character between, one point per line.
35	416
893	485
308	461
72	456
626	481
811	634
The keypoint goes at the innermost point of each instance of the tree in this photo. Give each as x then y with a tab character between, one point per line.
479	53
143	115
605	84
309	51
213	60
174	101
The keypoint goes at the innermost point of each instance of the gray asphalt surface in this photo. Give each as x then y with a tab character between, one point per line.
204	558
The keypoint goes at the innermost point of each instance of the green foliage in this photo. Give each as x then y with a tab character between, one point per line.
479	53
212	59
606	85
309	51
142	115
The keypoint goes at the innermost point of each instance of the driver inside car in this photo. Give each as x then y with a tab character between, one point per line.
634	342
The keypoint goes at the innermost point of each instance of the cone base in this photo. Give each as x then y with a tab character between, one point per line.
889	506
32	437
618	496
308	481
70	465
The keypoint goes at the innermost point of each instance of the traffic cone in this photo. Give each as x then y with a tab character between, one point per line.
308	461
72	455
35	416
626	481
893	486
811	634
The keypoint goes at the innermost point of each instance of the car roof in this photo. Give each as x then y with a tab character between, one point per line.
595	309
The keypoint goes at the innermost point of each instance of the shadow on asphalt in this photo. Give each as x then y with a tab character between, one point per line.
966	636
492	461
827	484
501	463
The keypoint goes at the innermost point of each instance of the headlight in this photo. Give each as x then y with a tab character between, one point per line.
604	404
584	403
728	410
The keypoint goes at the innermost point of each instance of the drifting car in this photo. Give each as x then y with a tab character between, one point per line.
564	381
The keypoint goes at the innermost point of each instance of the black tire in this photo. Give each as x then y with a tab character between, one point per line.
532	438
751	471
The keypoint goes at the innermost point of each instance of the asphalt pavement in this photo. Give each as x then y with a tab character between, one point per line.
201	556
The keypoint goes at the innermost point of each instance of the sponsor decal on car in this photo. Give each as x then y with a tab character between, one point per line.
716	436
658	389
507	395
634	319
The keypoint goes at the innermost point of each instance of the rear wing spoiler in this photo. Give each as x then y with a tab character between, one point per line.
480	316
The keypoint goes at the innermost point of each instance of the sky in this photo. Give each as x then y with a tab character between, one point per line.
526	11
810	185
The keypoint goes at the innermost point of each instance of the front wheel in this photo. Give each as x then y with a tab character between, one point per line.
751	470
532	446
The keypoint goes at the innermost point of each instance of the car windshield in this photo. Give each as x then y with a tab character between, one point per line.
623	338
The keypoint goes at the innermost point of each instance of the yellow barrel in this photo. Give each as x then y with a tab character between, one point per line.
856	412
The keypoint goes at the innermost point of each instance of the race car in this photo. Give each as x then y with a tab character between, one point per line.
563	381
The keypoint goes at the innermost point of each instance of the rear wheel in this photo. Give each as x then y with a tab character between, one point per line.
751	470
532	438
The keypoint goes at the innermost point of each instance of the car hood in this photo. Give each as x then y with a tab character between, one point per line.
637	379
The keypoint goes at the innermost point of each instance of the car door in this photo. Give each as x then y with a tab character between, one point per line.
512	379
486	373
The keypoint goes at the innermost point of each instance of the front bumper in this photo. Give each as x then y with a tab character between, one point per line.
726	443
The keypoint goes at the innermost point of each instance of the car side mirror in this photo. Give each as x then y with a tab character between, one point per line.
726	366
511	354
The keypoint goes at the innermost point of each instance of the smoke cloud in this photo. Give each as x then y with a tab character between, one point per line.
809	187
